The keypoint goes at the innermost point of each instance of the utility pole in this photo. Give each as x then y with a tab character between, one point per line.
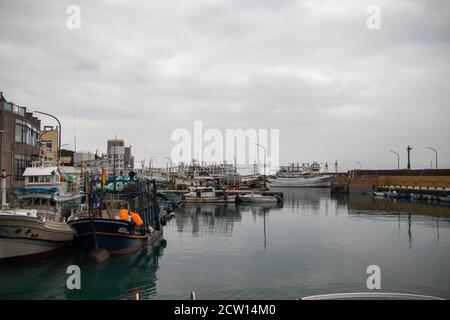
264	156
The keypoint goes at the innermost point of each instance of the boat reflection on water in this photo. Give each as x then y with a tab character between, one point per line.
404	211
126	277
217	218
43	278
120	277
365	203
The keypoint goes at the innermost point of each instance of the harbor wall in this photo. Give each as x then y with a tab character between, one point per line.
421	180
428	182
362	184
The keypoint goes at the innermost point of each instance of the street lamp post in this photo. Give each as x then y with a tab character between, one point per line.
171	164
59	131
150	165
398	159
235	164
264	157
436	155
235	169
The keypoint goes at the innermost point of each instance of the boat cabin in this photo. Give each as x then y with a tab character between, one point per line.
52	191
42	177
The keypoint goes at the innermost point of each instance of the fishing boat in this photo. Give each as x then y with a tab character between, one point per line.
423	197
207	195
258	198
379	194
392	193
25	235
415	196
445	199
301	176
123	216
34	222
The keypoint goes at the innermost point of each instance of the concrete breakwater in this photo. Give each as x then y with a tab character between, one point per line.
416	181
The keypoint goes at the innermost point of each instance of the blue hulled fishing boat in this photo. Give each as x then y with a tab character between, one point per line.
123	216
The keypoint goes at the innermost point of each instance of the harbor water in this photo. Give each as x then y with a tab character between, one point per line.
314	243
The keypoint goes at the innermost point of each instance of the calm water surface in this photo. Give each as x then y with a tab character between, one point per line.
316	243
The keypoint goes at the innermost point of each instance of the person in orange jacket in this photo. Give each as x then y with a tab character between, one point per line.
123	215
136	218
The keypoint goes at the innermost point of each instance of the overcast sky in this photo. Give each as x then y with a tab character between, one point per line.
334	88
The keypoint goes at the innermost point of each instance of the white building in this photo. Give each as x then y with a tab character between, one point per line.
80	157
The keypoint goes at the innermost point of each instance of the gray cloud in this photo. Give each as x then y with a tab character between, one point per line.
310	68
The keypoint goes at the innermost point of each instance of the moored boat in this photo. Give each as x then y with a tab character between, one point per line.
207	195
34	222
258	198
392	193
301	176
424	197
24	235
120	219
379	194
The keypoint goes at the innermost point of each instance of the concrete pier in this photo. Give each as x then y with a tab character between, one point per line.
415	181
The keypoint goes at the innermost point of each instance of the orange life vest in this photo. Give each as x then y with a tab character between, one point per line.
137	219
123	214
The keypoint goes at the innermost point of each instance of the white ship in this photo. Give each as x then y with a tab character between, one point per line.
24	234
35	224
301	176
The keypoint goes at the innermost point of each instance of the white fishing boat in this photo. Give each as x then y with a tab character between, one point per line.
258	198
379	194
207	195
392	194
301	176
35	222
24	234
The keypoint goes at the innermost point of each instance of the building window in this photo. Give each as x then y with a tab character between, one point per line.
21	162
7	107
18	132
33	179
26	133
47	144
